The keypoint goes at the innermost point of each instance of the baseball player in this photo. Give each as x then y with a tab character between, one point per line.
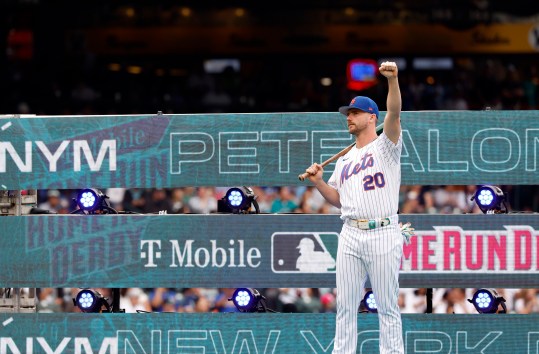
365	186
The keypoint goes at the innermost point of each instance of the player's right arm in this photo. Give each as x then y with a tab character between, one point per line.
392	125
316	171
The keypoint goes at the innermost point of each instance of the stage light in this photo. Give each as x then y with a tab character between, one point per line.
488	301
93	201
369	302
248	300
238	200
88	300
490	200
88	199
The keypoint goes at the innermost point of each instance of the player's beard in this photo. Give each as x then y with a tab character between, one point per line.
356	129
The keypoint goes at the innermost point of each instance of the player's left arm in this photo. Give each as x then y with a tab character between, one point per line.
392	123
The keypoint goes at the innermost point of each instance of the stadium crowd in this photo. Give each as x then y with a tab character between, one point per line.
301	300
203	200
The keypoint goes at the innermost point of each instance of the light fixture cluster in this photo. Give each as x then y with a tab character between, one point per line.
484	301
91	301
93	201
490	199
488	301
249	300
238	200
88	300
368	304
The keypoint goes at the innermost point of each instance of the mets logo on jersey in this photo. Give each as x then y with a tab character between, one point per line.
303	252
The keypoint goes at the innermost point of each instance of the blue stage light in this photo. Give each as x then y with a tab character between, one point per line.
487	301
88	300
246	300
238	200
93	201
235	198
490	199
88	199
369	302
485	197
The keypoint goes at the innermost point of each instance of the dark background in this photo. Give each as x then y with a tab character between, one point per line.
57	72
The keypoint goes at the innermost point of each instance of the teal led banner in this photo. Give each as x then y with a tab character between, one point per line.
235	333
228	250
440	148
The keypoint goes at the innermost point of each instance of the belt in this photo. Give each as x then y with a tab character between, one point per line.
368	224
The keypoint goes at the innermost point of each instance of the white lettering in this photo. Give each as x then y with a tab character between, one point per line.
206	257
63	344
416	340
313	341
150	254
435	164
214	255
253	253
231	250
110	344
221	251
245	158
127	338
533	342
462	341
241	264
52	158
82	343
22	166
95	165
245	340
8	343
187	340
176	253
482	143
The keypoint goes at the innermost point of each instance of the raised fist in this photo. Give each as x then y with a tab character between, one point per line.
389	69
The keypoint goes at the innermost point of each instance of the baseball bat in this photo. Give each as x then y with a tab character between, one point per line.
302	176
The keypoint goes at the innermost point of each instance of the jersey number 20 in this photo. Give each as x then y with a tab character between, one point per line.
370	181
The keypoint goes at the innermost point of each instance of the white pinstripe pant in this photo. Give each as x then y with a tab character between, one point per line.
377	254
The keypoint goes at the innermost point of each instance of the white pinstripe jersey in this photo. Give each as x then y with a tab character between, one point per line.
368	179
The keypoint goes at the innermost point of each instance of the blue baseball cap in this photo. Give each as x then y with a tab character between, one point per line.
362	103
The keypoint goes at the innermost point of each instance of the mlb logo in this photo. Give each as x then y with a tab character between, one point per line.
304	252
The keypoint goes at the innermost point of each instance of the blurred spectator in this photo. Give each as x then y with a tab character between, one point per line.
263	198
458	303
412	300
163	300
526	301
202	304
158	201
188	299
55	202
309	300
177	200
328	302
204	202
222	304
308	203
454	301
116	197
530	84
284	203
134	300
49	300
135	200
328	209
